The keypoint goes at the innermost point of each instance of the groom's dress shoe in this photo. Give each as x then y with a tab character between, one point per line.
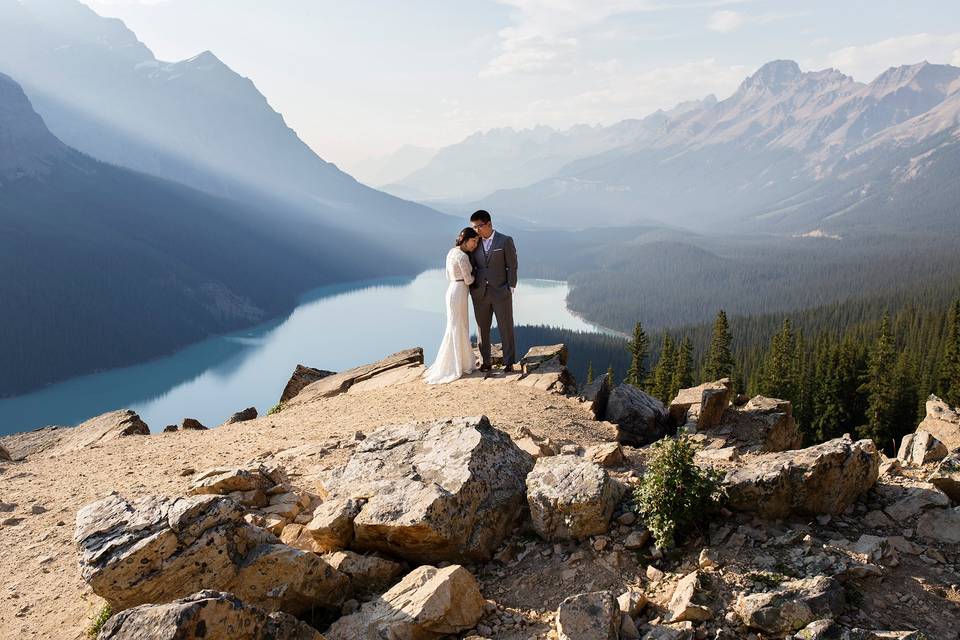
484	367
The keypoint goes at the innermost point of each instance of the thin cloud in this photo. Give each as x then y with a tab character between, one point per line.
865	62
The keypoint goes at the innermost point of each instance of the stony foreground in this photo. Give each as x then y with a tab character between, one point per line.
370	507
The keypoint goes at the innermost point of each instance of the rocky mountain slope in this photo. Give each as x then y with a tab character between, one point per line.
518	525
195	121
102	267
789	150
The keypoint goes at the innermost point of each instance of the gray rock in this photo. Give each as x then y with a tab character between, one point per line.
640	418
762	424
940	525
5	455
589	616
917	449
682	605
446	490
192	424
246	415
946	476
597	393
570	498
823	479
917	499
158	549
301	377
337	384
942	422
61	440
203	616
368	573
702	406
793	606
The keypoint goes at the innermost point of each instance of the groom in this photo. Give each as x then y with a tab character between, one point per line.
495	273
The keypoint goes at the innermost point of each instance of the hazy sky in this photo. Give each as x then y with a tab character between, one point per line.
359	78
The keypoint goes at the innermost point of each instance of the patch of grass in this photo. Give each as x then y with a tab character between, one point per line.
99	620
676	496
768	578
277	408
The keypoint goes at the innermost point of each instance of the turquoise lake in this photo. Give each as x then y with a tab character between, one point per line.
334	328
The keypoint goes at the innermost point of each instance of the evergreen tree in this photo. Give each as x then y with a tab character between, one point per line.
719	362
610	375
881	389
682	378
779	378
949	386
638	347
662	377
590	372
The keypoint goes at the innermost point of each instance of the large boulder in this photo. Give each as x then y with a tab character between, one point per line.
946	476
401	363
942	422
640	418
597	394
823	479
545	368
793	606
702	406
589	616
206	615
301	377
444	490
570	498
762	424
428	603
919	448
157	549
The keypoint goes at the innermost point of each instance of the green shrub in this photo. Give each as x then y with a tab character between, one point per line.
99	620
277	408
676	495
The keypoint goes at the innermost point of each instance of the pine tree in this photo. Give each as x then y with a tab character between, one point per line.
590	372
719	362
780	368
638	347
610	375
881	390
949	386
662	376
682	377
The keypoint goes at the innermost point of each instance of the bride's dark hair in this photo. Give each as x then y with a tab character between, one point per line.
467	234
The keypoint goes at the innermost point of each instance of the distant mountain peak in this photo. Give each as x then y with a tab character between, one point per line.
774	76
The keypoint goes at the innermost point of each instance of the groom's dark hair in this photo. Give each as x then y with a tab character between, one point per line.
480	216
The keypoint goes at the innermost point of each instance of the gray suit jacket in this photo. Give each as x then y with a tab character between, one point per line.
495	272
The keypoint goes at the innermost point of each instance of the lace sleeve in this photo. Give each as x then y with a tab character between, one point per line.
466	269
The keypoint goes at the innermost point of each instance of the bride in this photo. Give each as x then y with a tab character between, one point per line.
455	357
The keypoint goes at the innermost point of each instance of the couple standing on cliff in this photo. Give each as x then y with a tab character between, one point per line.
483	264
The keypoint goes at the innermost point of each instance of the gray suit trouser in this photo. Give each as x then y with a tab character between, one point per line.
484	310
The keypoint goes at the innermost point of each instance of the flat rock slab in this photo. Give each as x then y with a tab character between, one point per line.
446	490
824	479
570	498
340	383
61	440
301	377
157	549
793	606
206	615
427	603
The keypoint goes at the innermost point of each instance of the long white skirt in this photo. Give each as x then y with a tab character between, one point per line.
455	357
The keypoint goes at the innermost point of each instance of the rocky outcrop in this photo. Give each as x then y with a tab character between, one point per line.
401	363
445	490
793	606
823	479
640	418
5	455
367	573
62	440
237	480
302	376
946	477
942	422
248	414
203	616
192	424
158	549
570	498
762	424
589	616
545	368
597	394
940	525
701	407
919	448
428	603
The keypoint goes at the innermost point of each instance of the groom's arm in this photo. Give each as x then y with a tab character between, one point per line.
510	254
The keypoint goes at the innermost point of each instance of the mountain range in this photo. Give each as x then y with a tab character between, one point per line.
789	151
196	121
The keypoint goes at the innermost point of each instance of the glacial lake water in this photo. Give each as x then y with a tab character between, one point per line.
335	328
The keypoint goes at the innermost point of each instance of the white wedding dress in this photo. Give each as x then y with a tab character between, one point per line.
455	357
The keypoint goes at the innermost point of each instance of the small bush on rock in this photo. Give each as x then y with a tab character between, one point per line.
676	495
